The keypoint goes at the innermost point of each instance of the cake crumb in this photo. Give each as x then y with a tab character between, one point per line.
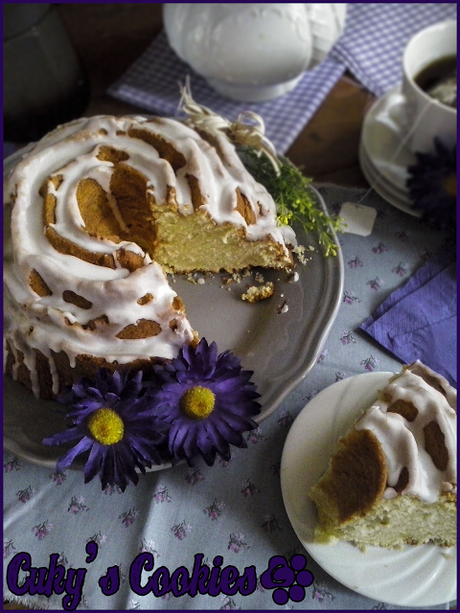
301	255
257	293
293	277
200	281
284	308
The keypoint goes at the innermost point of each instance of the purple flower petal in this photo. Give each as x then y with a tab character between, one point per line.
153	418
63	437
70	456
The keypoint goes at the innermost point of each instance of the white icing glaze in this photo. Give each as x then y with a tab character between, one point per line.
34	322
403	441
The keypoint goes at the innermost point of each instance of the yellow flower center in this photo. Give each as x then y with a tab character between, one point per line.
106	426
197	402
450	184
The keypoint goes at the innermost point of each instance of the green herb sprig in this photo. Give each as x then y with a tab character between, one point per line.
294	200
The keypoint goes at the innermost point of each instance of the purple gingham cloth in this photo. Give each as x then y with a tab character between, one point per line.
370	48
152	83
376	35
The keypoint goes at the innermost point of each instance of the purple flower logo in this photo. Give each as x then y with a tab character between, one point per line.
288	580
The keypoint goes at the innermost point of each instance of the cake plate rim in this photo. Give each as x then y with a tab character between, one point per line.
295	338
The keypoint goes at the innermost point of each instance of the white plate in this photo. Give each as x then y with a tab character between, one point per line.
365	160
281	348
424	575
389	192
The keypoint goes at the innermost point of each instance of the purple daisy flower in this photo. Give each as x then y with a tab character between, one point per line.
112	422
432	184
207	400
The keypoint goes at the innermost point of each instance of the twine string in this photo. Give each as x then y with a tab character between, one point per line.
248	129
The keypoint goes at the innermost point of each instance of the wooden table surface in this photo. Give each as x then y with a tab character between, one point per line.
110	37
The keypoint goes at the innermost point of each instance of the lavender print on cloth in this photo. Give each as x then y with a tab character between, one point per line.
232	512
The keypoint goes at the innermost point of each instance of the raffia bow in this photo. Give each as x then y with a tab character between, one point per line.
248	129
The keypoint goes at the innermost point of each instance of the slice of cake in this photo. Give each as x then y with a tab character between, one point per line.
393	478
95	214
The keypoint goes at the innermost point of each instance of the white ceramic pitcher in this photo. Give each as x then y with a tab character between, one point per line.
253	52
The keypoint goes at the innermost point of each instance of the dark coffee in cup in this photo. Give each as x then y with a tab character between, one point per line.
439	80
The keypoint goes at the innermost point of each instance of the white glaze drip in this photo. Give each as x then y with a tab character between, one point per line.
403	441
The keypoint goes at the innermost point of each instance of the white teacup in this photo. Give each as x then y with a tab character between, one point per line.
425	117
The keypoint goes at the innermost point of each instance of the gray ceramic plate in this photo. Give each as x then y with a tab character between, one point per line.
280	347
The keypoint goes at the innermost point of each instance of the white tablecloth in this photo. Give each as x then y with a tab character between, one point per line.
234	510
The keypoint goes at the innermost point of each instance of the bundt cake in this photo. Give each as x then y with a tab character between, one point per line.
393	478
95	214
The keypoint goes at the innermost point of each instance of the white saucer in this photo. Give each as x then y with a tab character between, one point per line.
390	192
379	178
383	155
